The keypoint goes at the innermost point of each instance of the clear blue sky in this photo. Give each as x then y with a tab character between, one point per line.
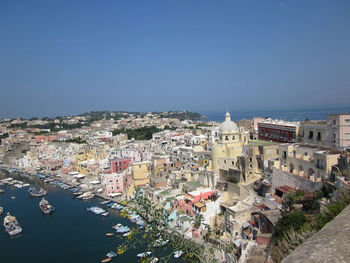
68	57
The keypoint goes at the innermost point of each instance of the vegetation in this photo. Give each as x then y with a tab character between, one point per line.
4	136
144	133
158	228
78	140
295	226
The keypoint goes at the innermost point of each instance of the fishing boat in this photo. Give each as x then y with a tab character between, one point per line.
36	192
123	230
45	207
178	253
97	210
106	260
144	254
109	234
111	254
160	243
11	225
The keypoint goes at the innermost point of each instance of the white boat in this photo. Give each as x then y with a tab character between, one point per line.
105	214
86	196
126	234
144	254
11	225
97	210
45	207
154	260
1	210
178	253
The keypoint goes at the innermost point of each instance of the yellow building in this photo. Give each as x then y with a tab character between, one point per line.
141	173
230	143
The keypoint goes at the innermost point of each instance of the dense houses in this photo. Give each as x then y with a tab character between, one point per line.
232	174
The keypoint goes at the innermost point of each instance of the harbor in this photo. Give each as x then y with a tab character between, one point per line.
71	233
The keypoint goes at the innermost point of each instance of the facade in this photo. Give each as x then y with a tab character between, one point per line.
311	162
141	173
278	131
119	165
230	143
338	129
114	183
313	132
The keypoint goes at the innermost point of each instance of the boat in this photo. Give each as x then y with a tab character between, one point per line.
106	260
178	253
126	234
97	210
105	214
2	191
1	210
111	254
123	230
109	234
11	225
36	192
86	196
160	243
144	254
105	202
45	207
154	260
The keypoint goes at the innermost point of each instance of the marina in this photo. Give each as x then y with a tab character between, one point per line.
71	228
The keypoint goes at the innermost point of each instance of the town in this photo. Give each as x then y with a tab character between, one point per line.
240	176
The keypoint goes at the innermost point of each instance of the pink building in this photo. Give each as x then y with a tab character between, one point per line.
114	183
187	205
338	130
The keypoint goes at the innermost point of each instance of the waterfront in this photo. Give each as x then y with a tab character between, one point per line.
70	234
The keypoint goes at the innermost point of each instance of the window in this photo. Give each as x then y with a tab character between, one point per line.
226	138
311	134
233	137
319	136
294	154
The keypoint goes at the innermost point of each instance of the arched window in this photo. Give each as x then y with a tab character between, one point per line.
226	138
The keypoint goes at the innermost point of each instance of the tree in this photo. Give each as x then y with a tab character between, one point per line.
158	228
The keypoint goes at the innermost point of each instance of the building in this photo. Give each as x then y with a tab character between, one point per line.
313	132
278	131
119	165
141	173
114	183
338	130
311	162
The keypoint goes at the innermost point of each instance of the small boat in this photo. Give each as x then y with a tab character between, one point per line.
97	210
2	191
1	210
109	234
45	207
11	225
160	243
154	260
105	214
111	254
178	253
105	202
13	197
123	230
144	254
36	192
106	260
126	234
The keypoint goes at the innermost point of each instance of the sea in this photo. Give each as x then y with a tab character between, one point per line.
287	115
70	234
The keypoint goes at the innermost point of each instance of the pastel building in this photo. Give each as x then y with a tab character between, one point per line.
338	130
114	183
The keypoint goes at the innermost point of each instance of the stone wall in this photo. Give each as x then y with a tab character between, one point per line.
330	244
280	178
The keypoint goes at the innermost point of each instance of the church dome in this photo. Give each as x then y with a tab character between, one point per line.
228	126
